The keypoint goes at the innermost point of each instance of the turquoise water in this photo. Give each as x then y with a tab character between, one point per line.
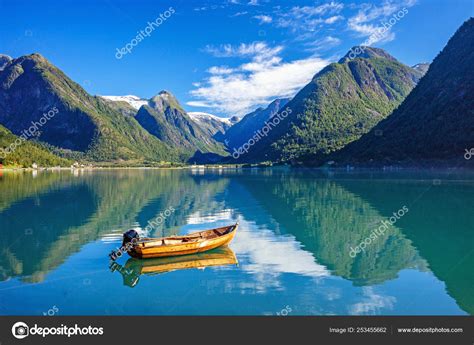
291	255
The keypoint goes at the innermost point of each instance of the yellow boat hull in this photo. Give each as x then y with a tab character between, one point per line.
183	245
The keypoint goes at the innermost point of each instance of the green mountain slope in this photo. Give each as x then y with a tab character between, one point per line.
436	121
30	86
342	102
26	153
123	107
164	118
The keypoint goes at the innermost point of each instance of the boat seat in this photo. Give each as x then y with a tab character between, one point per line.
168	242
218	233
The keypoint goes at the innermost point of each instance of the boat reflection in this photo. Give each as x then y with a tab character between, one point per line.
134	268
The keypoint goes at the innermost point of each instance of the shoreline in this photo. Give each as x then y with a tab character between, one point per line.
350	168
199	167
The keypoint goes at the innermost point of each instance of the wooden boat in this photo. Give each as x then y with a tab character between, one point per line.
134	268
197	242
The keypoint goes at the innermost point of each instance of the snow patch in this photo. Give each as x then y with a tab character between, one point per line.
135	101
200	116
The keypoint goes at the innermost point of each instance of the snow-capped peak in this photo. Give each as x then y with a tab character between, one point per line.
135	101
200	116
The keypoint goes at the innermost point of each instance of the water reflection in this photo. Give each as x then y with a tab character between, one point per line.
327	219
297	228
439	225
49	221
134	268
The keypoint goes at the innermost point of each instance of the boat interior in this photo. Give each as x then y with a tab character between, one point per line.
194	237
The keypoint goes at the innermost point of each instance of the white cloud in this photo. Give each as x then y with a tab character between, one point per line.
199	104
333	19
306	21
370	20
260	65
207	8
275	255
372	303
264	19
220	70
325	43
256	82
238	14
305	11
259	50
250	3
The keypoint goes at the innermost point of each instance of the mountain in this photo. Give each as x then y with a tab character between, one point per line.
422	67
31	88
122	107
365	52
164	118
134	101
234	119
26	153
4	59
436	121
212	124
252	122
127	105
341	103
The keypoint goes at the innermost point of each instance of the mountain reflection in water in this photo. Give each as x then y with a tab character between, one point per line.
297	227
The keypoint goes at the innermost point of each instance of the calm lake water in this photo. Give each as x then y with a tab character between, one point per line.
291	255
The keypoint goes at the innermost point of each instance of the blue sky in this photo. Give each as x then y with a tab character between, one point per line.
223	57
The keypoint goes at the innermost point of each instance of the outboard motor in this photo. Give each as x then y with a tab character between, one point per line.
129	239
129	236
